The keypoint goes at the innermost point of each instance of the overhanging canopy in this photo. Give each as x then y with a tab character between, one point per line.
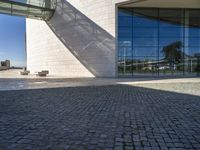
39	9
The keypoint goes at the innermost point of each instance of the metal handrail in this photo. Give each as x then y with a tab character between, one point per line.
44	9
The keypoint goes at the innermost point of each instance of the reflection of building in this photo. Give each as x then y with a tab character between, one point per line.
4	65
151	37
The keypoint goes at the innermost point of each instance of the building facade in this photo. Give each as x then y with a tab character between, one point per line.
4	65
111	38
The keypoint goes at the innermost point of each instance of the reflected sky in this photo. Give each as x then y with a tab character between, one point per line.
144	34
142	31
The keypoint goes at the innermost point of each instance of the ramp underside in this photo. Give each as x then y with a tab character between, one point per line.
37	9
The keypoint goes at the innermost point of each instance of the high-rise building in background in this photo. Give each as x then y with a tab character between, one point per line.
4	65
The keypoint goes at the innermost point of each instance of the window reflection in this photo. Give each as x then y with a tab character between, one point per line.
158	41
144	51
145	32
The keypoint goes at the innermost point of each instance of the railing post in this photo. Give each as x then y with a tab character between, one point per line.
47	3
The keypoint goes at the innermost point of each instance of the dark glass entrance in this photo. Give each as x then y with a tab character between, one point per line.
154	42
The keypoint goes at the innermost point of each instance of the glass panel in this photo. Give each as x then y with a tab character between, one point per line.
145	51
5	7
125	32
193	32
125	12
145	42
125	21
171	13
193	22
170	41
171	62
145	32
121	65
151	13
192	65
125	41
125	65
171	22
145	66
193	13
171	32
40	9
193	42
159	41
128	66
125	51
19	10
192	51
144	22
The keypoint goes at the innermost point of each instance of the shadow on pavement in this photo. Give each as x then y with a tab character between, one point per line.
98	117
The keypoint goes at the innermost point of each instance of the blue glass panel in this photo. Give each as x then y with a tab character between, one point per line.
125	51
171	32
125	41
144	22
168	41
125	21
191	51
125	32
193	32
125	12
145	41
145	66
145	32
192	42
171	23
162	54
145	51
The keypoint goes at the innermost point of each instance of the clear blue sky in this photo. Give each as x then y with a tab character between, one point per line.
12	39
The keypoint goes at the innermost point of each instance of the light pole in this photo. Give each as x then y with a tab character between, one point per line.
124	60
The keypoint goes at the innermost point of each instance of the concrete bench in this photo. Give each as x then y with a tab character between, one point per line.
24	72
43	73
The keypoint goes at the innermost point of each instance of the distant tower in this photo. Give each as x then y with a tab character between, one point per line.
7	63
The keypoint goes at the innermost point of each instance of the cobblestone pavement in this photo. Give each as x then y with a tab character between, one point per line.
99	117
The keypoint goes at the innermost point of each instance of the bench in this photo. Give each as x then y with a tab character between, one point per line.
25	72
43	73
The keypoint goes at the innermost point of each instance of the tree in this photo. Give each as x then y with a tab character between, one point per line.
173	53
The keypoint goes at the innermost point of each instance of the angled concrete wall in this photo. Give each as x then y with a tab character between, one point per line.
46	52
79	41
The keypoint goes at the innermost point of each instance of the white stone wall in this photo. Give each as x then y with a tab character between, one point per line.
101	12
79	43
46	52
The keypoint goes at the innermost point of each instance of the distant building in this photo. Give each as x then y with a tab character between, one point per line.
4	65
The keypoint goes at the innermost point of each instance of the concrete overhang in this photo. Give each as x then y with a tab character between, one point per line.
161	3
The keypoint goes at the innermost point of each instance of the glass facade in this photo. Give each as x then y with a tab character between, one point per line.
39	9
154	42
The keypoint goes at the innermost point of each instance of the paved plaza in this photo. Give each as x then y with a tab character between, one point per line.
112	117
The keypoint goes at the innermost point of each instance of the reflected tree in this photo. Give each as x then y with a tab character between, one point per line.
173	53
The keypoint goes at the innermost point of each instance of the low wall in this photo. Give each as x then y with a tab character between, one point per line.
3	68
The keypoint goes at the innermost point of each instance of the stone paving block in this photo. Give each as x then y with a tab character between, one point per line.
98	117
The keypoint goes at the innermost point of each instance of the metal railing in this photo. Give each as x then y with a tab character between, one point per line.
38	9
